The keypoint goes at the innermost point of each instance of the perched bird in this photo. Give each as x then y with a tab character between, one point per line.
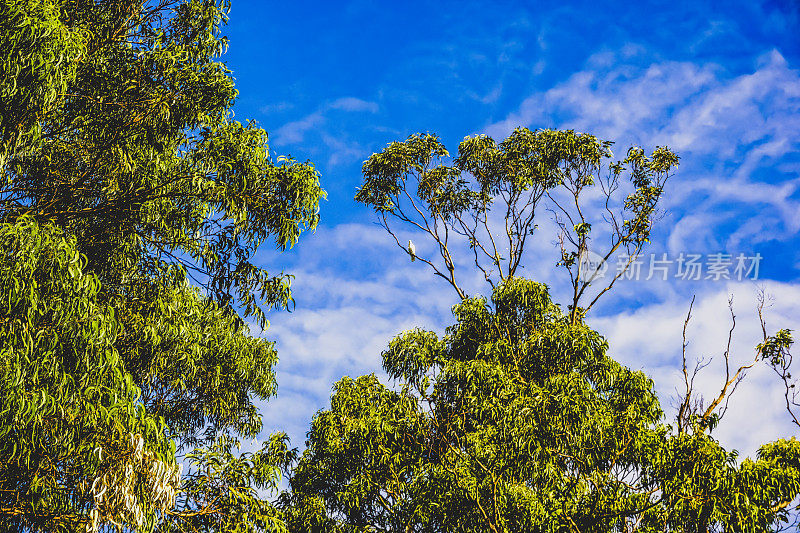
412	251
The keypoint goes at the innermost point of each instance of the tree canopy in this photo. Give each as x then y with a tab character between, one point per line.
78	447
121	159
517	419
488	198
116	126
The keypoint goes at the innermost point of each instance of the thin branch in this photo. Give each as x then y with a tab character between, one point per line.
729	380
683	412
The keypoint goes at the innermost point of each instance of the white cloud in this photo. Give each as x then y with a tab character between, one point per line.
295	132
710	198
610	103
729	131
342	151
688	107
761	107
354	104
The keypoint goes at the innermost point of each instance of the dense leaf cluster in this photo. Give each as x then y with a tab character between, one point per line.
124	179
517	420
117	127
68	404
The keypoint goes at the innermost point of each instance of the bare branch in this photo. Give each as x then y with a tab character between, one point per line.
683	412
729	380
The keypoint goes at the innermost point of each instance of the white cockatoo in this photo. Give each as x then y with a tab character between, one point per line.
412	251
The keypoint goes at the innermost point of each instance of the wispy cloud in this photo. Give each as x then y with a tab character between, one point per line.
684	105
354	105
736	136
612	102
277	107
295	132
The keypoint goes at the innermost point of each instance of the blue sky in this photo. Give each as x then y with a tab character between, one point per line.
717	82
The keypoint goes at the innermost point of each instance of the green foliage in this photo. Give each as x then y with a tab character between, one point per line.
775	348
121	133
366	456
517	420
72	413
117	138
222	493
70	416
488	197
197	367
38	59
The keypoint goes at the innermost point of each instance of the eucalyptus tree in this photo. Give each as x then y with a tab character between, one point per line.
118	142
72	431
517	419
489	197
